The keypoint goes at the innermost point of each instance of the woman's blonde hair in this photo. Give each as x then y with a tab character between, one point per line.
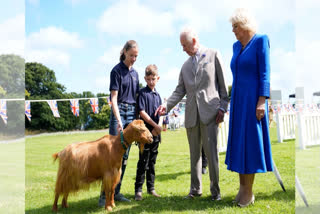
244	18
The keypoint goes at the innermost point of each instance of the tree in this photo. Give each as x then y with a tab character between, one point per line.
101	120
41	84
229	91
11	76
12	87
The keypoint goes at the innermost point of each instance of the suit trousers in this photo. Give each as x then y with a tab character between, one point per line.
202	135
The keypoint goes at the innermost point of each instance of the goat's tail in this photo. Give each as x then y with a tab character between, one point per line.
55	156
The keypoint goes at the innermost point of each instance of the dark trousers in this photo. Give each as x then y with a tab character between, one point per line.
123	169
146	165
127	114
204	159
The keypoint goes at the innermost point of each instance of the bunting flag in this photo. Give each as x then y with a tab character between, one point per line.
3	111
95	105
75	107
54	107
27	107
279	108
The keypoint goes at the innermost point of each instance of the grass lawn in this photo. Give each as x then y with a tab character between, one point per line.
308	172
172	180
12	177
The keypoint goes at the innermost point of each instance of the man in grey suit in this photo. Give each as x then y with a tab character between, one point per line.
202	80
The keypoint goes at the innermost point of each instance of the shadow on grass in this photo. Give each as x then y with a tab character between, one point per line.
149	204
179	203
278	195
172	176
83	206
307	210
165	177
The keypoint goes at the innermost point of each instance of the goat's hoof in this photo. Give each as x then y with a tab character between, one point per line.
109	208
113	205
65	205
55	208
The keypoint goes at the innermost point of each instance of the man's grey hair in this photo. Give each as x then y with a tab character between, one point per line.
245	19
189	33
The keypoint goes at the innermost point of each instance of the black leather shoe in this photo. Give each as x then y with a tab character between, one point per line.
192	195
216	198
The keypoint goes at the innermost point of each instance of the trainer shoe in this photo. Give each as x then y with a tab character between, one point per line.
120	197
102	200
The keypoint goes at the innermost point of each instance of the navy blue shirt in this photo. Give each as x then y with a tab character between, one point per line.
149	101
125	82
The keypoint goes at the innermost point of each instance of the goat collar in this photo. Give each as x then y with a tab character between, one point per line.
123	142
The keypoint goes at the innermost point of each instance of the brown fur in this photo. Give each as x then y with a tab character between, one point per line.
86	162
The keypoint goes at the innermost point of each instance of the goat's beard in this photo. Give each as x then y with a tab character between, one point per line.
141	147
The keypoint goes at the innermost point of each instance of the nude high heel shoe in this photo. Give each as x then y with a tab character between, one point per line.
247	204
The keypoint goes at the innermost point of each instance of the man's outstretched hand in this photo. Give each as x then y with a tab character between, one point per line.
161	110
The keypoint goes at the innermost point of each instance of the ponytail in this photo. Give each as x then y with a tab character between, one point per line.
129	44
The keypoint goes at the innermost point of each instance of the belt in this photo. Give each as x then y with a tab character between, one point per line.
126	104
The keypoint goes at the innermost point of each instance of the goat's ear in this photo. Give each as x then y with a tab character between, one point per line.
136	122
136	126
140	122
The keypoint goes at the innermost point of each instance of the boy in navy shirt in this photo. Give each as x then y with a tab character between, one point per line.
148	101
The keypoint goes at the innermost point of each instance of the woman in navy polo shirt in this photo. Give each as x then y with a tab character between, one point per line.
124	87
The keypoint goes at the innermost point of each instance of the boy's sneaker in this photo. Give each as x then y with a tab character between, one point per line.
120	197
102	200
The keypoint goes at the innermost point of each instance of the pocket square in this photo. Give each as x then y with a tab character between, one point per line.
204	64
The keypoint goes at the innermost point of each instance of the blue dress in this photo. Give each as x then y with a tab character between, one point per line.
249	149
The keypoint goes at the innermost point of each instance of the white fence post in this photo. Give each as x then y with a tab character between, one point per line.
279	127
301	130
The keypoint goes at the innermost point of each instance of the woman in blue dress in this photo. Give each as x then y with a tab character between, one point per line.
249	149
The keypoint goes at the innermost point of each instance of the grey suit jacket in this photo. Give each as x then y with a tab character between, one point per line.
206	90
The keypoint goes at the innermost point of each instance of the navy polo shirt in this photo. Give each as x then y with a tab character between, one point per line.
149	101
125	82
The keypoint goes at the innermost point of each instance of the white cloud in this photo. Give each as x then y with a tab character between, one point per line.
34	2
74	2
283	72
198	16
102	83
12	33
204	15
51	46
129	17
166	51
49	57
172	74
308	65
111	56
307	4
53	37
